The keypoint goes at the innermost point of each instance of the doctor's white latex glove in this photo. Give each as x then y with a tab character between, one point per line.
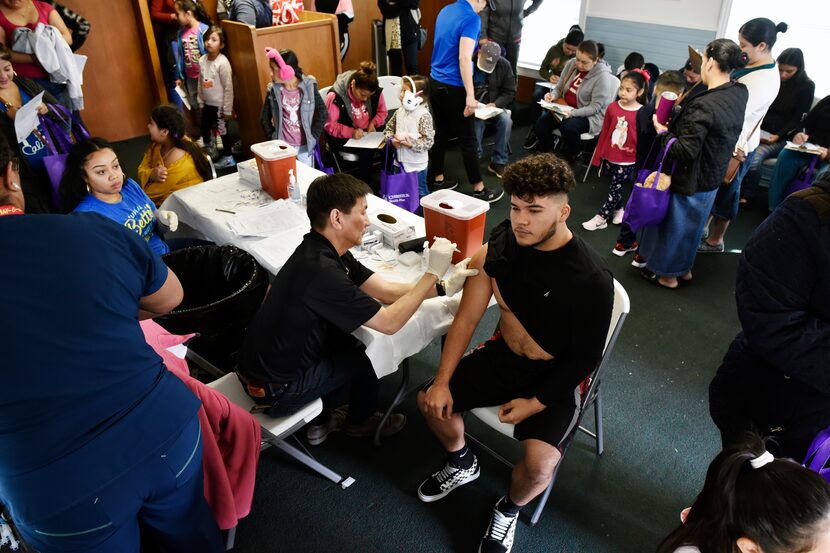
455	283
440	257
168	219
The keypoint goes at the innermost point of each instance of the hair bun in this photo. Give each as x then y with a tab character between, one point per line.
743	59
782	27
368	67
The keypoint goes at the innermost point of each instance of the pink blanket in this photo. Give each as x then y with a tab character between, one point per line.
231	437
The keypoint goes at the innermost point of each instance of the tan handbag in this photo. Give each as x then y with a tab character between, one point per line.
736	161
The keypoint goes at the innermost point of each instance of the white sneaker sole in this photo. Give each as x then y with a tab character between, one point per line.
433	498
593	228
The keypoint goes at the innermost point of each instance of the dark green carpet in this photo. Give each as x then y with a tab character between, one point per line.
659	437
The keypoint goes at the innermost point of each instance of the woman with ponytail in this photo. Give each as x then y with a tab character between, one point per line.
760	76
795	97
704	132
355	106
752	502
172	161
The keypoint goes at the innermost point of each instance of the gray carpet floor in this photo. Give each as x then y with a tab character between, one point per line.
658	434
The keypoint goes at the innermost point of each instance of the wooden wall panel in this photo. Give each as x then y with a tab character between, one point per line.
314	40
119	84
360	33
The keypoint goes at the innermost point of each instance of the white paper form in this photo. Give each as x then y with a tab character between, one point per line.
25	120
274	218
371	140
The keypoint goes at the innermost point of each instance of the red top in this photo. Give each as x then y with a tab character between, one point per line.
161	10
570	94
617	141
29	70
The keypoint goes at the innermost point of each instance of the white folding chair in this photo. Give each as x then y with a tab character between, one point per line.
391	86
275	430
490	415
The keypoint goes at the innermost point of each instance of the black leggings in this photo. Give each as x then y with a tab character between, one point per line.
448	104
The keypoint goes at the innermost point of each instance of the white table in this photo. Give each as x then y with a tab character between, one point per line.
197	206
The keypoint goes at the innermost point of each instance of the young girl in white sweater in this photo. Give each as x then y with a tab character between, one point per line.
411	129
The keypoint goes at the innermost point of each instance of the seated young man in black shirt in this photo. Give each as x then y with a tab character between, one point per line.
555	295
299	345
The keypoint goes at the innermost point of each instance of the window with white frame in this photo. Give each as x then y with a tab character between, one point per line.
809	29
544	28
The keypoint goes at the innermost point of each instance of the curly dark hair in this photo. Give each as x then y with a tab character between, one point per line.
538	175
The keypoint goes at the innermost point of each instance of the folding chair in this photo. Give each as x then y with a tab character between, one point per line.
490	415
275	430
391	86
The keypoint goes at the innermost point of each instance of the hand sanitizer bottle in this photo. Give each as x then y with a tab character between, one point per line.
294	193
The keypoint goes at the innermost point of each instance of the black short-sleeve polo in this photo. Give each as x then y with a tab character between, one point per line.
314	304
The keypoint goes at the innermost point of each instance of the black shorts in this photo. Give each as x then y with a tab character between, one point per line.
493	375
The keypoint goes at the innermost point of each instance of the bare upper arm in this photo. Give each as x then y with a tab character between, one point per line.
165	298
56	21
477	290
465	49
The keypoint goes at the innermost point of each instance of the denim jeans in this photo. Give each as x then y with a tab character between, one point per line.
749	187
504	126
347	367
729	196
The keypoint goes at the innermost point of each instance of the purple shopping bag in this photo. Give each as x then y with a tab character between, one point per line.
804	179
318	161
59	138
397	186
818	454
648	206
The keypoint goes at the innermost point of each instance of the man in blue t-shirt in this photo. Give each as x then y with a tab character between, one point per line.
95	433
452	94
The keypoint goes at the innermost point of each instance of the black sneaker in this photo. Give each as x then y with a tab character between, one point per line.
441	483
496	168
488	194
500	533
531	141
446	184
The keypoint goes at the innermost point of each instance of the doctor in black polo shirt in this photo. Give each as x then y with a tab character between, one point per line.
299	346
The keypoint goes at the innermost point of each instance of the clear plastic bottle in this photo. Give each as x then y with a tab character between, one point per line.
294	193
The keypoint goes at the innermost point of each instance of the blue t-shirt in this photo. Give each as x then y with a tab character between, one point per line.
135	211
32	147
454	21
83	397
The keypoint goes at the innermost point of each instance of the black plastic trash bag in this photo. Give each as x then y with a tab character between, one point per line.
223	288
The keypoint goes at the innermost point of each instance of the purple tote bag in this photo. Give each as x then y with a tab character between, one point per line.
397	186
59	140
648	206
803	180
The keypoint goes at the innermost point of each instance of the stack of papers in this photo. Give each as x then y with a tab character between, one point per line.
484	111
805	148
546	84
270	220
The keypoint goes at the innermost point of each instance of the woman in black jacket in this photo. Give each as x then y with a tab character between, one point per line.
402	35
783	117
706	130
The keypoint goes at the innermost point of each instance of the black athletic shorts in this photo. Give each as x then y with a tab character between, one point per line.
493	375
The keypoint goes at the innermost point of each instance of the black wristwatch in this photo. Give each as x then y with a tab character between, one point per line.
439	288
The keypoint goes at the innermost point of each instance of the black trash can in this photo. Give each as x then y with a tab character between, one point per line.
223	288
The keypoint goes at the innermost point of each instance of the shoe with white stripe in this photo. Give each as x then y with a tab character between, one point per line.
500	533
440	484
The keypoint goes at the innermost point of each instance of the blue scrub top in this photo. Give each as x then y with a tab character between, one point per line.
83	398
454	21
